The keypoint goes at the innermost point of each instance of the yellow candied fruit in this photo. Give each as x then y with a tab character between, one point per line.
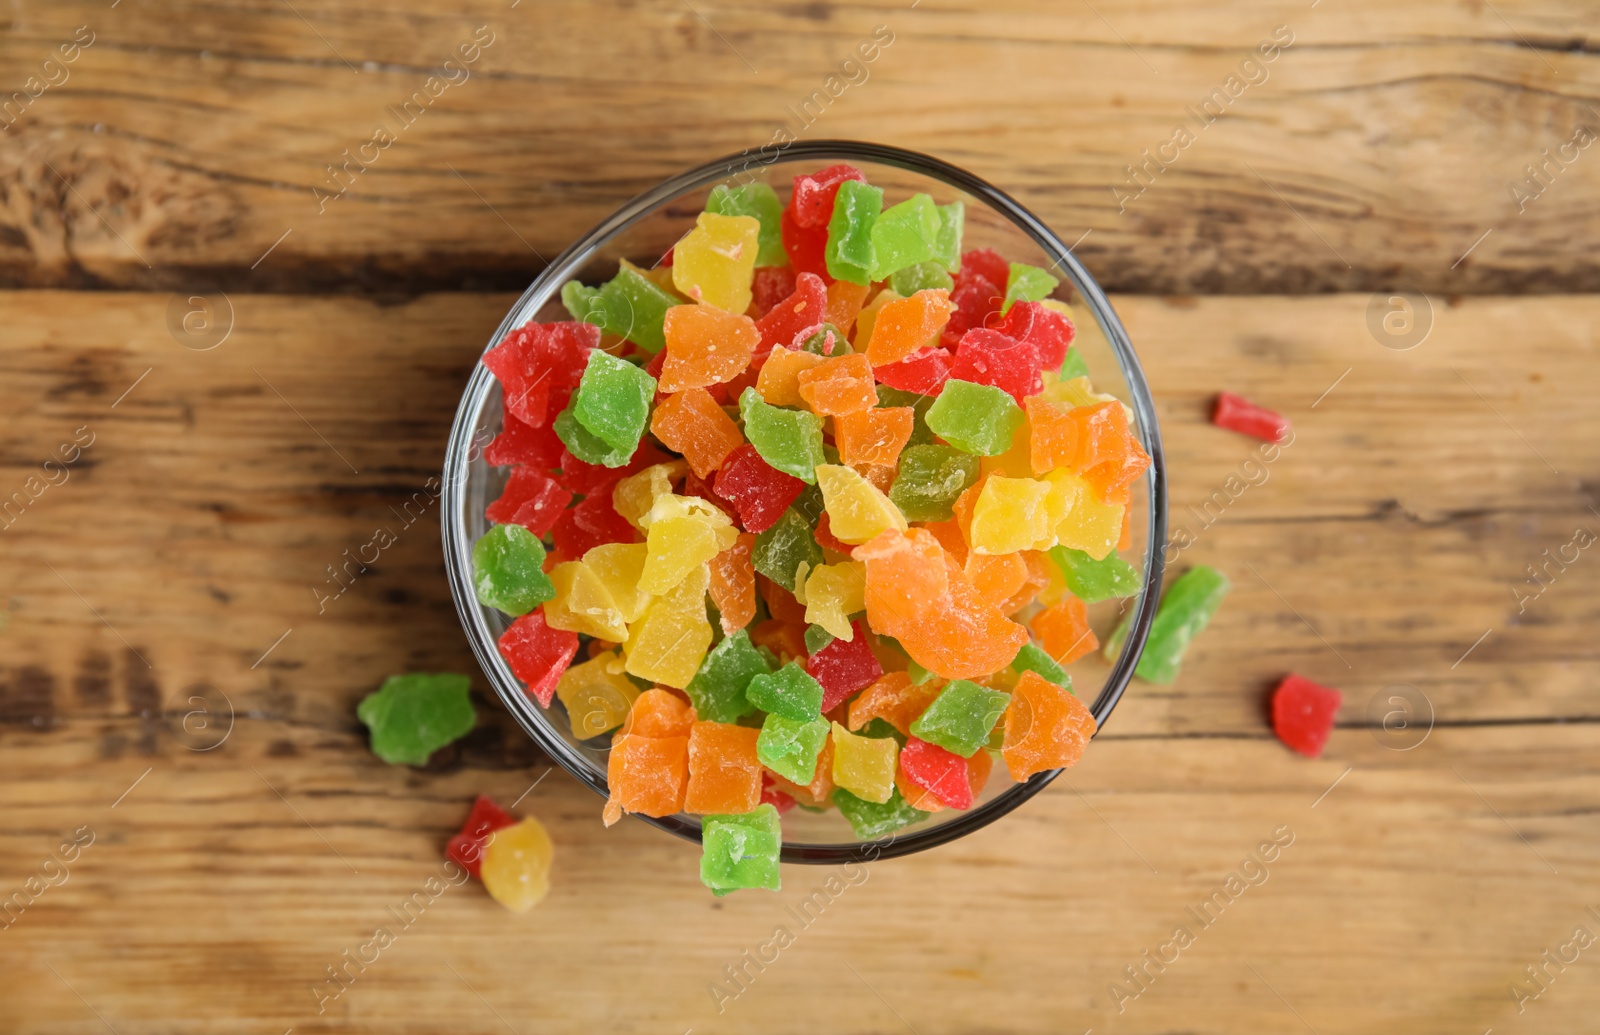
858	511
516	865
779	381
684	533
583	604
618	567
636	494
864	766
1010	515
669	642
597	695
1088	524
834	592
715	262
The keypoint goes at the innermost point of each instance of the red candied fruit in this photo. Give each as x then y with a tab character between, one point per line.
520	443
844	666
942	773
924	372
814	193
1238	414
976	301
988	264
531	499
806	246
1049	332
987	357
802	310
466	848
1303	713
538	654
593	522
769	286
757	490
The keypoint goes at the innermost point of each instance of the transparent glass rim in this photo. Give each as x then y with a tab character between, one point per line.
458	548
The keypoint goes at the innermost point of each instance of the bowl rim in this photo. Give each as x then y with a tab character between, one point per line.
458	456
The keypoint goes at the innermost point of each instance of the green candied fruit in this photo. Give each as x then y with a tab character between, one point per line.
1026	284
827	340
741	851
759	201
508	570
930	480
585	445
789	692
976	419
961	717
879	729
952	221
849	255
781	549
1093	581
1034	658
1185	610
870	820
920	404
613	401
904	235
628	305
790	748
1074	365
717	691
817	638
789	440
923	276
413	716
918	674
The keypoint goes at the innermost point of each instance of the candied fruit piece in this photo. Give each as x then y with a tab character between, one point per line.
466	848
691	423
864	766
646	774
613	401
870	821
618	566
715	262
531	499
844	666
779	381
930	479
1049	331
894	698
1026	283
813	193
760	202
858	511
759	492
789	440
790	749
960	636
789	692
1092	580
904	235
733	584
804	308
1186	609
508	570
844	303
874	436
516	865
806	246
597	695
1064	630
668	642
942	773
1046	727
904	325
987	357
537	654
784	549
1087	523
412	716
724	772
1010	515
961	718
718	690
741	851
633	496
839	385
706	345
850	255
977	419
1033	658
583	604
834	592
685	533
628	305
771	285
1303	714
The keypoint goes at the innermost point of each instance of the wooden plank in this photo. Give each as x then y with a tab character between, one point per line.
1375	151
196	527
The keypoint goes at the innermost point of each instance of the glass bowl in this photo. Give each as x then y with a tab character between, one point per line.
641	231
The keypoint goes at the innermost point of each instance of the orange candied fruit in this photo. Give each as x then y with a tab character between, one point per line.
997	577
1046	727
779	381
844	303
959	635
1064	628
873	436
646	775
724	773
839	385
659	712
904	325
733	584
785	639
895	699
705	346
1052	436
690	422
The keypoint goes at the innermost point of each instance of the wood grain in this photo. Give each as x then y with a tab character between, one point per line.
1374	152
194	530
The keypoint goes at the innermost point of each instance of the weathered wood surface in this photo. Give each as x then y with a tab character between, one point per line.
1375	151
220	884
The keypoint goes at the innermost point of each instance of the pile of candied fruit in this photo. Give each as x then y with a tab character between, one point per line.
808	514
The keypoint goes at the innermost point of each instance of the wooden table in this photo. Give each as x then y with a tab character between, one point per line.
1422	544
